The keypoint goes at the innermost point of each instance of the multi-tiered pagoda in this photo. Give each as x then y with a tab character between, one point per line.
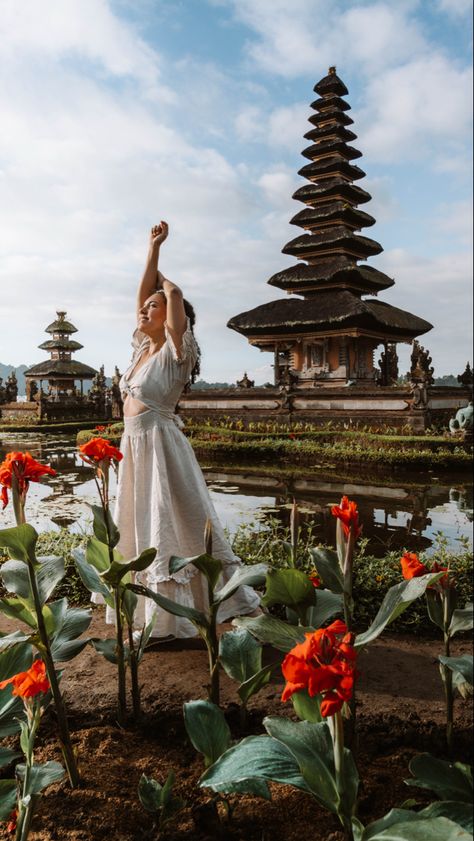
326	333
60	371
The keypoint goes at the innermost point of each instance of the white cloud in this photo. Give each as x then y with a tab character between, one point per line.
455	8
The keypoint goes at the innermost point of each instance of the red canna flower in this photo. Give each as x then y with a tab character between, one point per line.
348	515
12	821
315	579
412	568
99	428
23	468
30	683
97	450
324	665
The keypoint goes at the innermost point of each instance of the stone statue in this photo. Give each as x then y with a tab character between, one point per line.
11	387
3	392
245	382
465	378
116	395
419	393
31	390
421	369
463	421
388	364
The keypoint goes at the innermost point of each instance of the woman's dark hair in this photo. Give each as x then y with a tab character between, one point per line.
189	310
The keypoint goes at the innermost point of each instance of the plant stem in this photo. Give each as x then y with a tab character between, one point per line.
213	650
119	650
448	689
337	733
136	704
26	813
63	728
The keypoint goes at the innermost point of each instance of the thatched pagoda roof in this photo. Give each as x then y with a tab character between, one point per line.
336	239
60	369
331	84
340	132
61	325
334	147
335	102
331	168
61	344
337	212
334	115
332	188
326	312
332	272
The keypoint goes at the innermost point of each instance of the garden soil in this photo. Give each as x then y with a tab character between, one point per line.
400	713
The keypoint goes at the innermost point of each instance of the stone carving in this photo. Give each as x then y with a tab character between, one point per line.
3	392
116	395
466	377
421	370
388	364
11	388
419	394
245	382
31	390
463	421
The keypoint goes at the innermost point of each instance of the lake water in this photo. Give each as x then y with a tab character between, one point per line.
397	510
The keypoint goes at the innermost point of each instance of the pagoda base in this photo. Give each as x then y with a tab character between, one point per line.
394	407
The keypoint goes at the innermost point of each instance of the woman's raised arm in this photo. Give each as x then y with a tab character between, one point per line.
148	283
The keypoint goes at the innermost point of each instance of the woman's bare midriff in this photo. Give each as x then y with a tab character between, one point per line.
133	407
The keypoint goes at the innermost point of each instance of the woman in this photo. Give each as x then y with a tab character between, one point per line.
162	498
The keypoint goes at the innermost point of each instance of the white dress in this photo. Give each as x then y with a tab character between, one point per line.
162	498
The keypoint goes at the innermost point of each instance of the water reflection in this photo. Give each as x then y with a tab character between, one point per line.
397	509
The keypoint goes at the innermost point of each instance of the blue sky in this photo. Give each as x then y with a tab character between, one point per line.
116	114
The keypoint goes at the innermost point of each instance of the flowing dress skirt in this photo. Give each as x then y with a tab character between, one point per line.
163	502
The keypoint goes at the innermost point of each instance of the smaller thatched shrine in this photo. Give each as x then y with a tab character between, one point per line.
60	371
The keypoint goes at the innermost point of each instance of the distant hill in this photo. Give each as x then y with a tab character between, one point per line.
201	385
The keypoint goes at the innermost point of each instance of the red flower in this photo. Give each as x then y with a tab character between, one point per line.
315	579
347	513
412	568
324	665
31	683
292	435
99	428
12	820
24	468
98	449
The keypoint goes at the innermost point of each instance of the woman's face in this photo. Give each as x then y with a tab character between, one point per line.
152	314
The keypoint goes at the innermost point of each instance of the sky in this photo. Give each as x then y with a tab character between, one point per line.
118	113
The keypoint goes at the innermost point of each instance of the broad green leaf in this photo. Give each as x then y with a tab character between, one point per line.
255	758
289	587
150	794
7	755
143	636
396	600
240	654
107	647
327	605
7	798
195	616
394	817
255	683
20	541
54	615
50	572
449	781
454	810
19	609
209	566
435	608
306	708
65	643
6	640
311	745
11	712
207	729
166	791
129	605
350	786
16	580
250	576
268	629
462	619
97	554
104	527
118	569
90	577
18	658
425	829
329	569
41	776
463	665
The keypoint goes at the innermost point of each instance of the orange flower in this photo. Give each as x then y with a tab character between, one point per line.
25	469
412	566
347	513
99	428
324	665
12	821
31	683
98	449
315	579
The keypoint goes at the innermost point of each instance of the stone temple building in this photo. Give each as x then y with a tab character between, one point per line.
325	333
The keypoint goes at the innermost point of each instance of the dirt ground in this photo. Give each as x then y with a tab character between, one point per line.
400	712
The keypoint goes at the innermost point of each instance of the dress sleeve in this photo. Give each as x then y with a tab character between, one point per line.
138	340
189	351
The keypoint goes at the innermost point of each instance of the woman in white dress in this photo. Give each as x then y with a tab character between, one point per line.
162	498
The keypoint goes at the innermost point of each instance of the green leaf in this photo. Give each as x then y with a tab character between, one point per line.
207	729
7	755
90	577
249	576
107	647
20	541
462	619
48	571
311	745
16	580
435	608
268	629
129	605
7	640
143	636
240	654
150	794
118	569
462	665
19	609
209	566
396	600
254	759
195	616
41	776
434	829
455	811
7	798
255	683
289	587
327	605
449	781
65	643
392	818
104	527
97	554
11	712
329	569
18	658
306	708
